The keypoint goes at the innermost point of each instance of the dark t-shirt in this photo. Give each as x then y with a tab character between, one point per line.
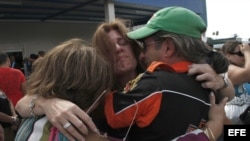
5	108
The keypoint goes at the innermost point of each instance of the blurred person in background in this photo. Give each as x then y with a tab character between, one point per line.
238	55
27	64
17	64
41	53
9	120
12	81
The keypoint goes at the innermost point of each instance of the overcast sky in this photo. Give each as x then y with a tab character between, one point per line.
229	17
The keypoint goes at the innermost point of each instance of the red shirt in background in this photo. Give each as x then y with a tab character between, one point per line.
10	82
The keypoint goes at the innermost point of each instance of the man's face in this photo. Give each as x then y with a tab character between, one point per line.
151	51
125	61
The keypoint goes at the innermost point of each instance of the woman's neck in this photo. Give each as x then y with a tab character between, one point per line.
4	66
122	80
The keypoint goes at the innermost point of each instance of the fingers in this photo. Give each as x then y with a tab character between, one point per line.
84	117
207	80
65	133
78	129
78	124
212	98
193	69
204	77
205	74
224	101
64	112
80	121
70	132
198	69
210	81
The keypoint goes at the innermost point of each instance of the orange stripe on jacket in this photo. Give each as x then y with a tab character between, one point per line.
155	64
148	108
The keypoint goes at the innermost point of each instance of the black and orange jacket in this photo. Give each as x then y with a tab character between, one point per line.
162	103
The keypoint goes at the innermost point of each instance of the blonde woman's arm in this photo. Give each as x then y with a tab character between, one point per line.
59	112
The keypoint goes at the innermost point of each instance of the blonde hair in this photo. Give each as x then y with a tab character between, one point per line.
71	71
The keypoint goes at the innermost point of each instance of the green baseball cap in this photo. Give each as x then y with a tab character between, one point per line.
177	20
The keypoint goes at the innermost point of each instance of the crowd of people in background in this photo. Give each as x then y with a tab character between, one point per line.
24	64
128	85
13	75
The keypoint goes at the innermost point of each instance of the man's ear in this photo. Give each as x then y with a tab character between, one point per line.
169	47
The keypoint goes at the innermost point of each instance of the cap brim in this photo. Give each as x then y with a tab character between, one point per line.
141	33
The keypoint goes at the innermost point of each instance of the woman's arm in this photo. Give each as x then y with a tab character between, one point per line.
214	126
239	75
9	119
22	106
59	112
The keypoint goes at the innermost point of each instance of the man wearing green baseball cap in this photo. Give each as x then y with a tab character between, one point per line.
178	21
165	102
172	19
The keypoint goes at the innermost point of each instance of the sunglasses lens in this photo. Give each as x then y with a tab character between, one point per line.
237	53
240	54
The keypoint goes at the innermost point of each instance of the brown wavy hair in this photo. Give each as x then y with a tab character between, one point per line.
103	44
230	46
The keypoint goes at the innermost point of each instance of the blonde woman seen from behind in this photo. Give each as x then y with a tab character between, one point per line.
71	71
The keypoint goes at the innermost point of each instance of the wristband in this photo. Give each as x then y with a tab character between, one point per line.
225	84
32	105
14	120
208	132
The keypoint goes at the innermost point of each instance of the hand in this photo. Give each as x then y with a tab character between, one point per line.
61	111
205	74
216	111
211	80
217	116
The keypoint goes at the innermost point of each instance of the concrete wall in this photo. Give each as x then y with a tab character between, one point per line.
30	37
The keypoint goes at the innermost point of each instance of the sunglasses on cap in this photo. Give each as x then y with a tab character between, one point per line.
239	53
